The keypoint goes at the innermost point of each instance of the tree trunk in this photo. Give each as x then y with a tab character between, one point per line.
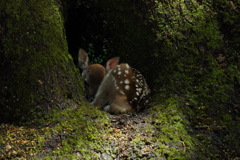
37	73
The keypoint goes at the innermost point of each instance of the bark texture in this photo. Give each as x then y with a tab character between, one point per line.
37	73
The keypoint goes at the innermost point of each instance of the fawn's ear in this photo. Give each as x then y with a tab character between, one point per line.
83	60
111	63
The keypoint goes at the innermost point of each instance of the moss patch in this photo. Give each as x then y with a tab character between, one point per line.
203	131
175	136
68	134
38	72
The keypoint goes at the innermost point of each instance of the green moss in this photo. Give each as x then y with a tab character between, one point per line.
71	131
204	130
83	130
34	45
176	140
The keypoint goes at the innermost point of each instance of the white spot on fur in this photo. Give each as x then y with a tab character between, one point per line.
122	92
127	66
137	93
126	81
119	72
127	87
126	71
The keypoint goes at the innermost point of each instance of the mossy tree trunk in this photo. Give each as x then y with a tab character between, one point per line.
37	73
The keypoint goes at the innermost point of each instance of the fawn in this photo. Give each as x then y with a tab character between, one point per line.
116	88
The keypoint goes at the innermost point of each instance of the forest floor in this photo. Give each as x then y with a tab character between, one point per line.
132	137
128	136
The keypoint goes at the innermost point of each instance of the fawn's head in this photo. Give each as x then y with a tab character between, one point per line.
93	74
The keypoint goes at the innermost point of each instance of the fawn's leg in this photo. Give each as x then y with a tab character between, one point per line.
119	106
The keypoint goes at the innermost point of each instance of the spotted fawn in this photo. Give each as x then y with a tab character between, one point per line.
116	88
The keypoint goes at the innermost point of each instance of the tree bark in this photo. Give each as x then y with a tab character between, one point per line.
37	73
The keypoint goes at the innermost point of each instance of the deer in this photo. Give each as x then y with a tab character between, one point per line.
115	88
